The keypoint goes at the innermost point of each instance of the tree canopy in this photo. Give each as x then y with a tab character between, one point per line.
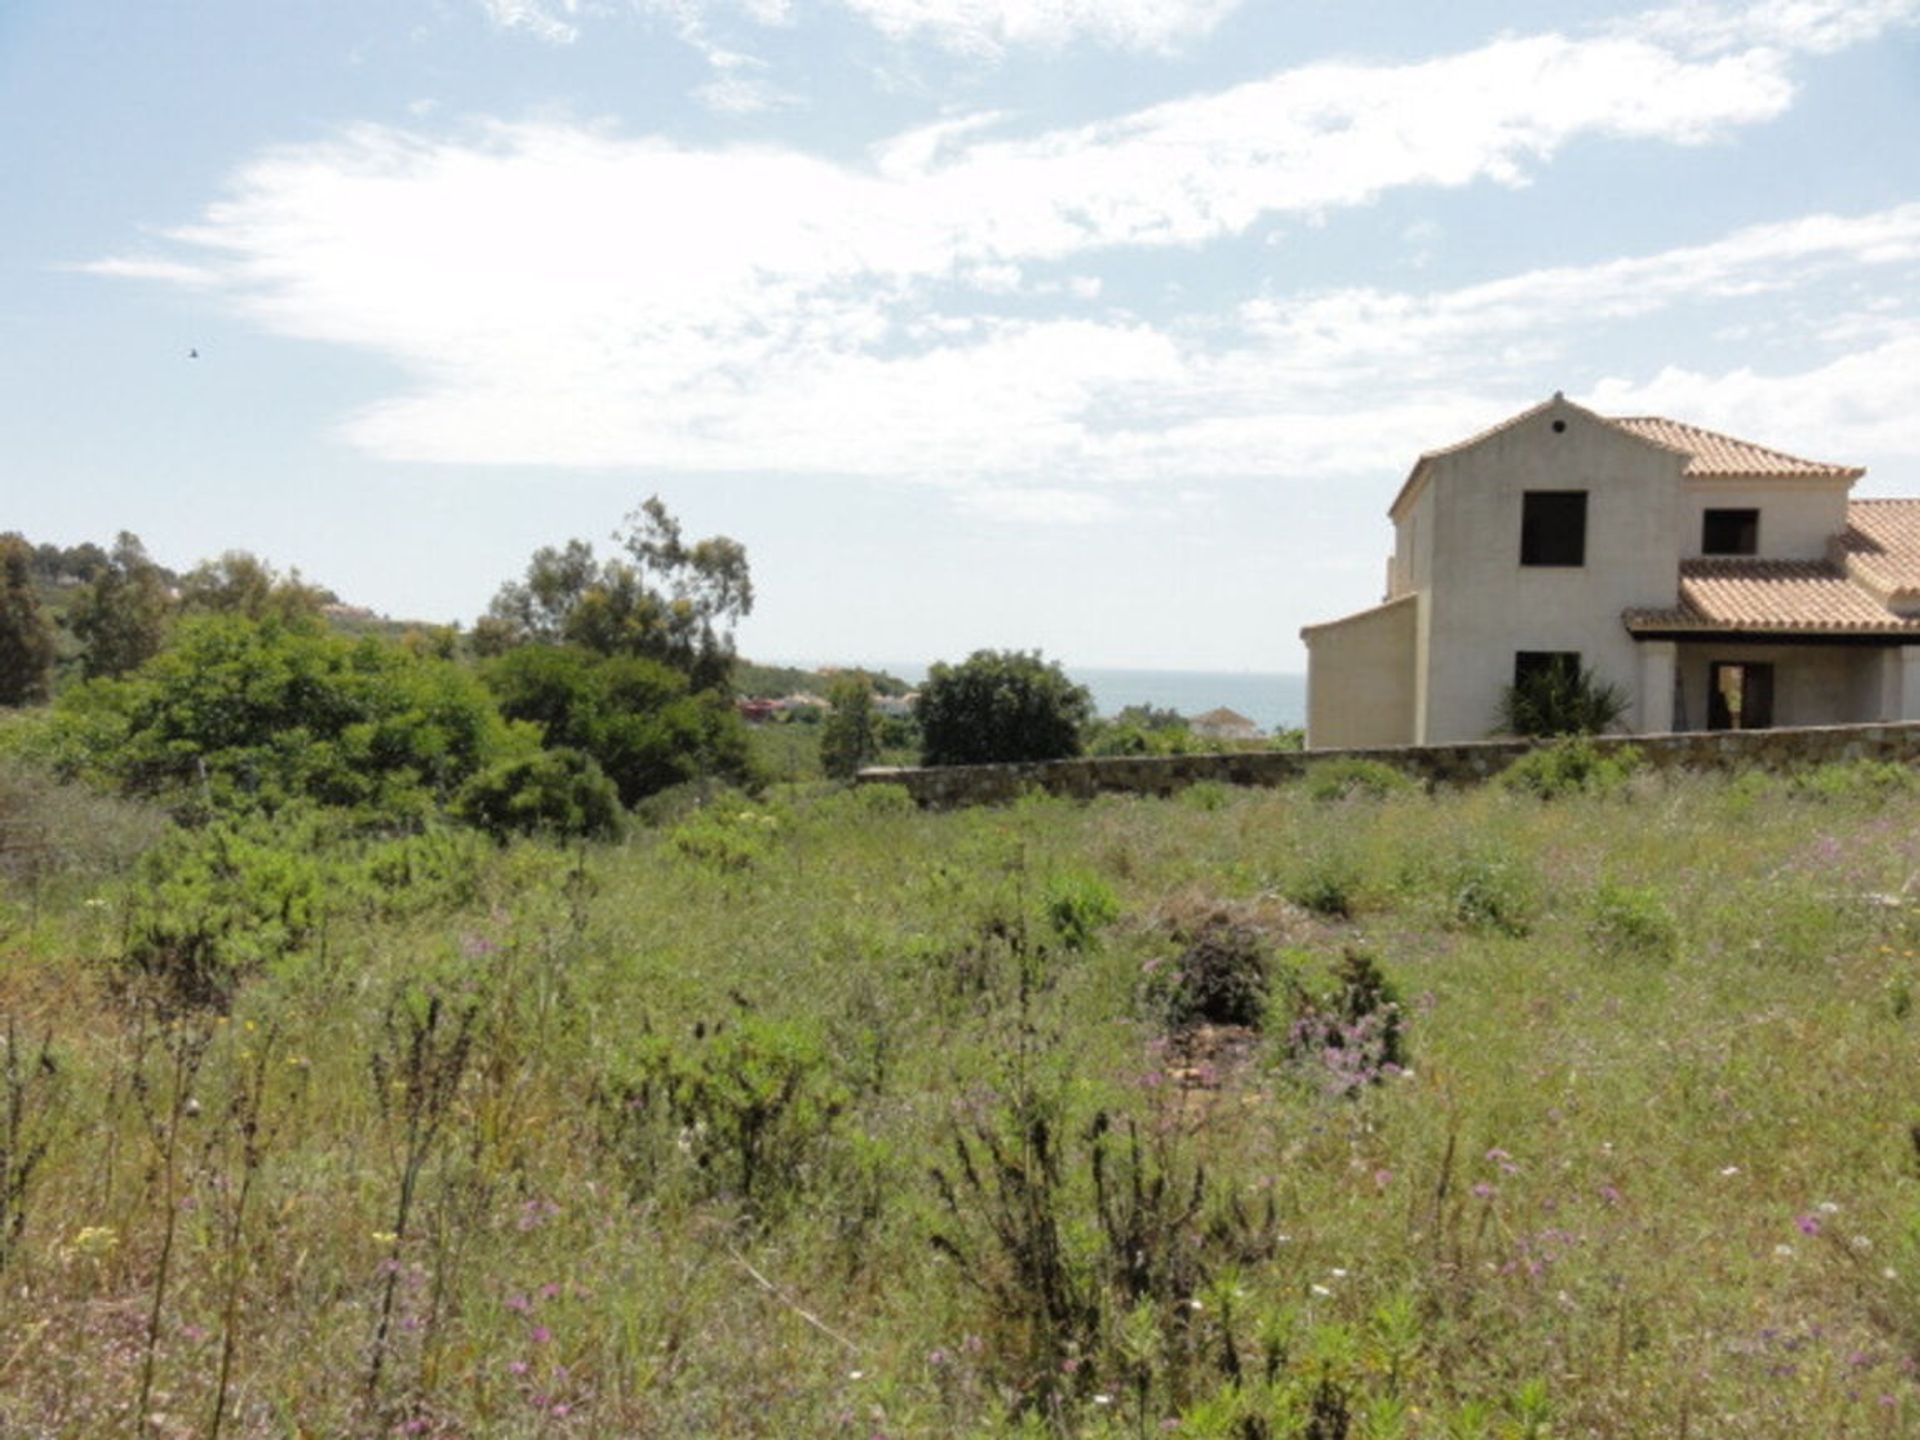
120	617
27	644
665	600
1000	705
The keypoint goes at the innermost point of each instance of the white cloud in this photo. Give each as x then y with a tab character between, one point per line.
1811	26
1363	326
987	27
565	295
973	27
1853	409
172	272
549	20
740	85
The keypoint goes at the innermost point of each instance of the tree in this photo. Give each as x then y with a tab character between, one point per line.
851	736
1000	705
638	719
26	635
668	600
120	617
247	714
240	583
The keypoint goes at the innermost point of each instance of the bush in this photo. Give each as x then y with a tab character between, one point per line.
1571	766
636	717
728	837
1340	779
1351	1036
1561	700
216	905
1491	893
1327	885
1633	920
1078	907
748	1101
1221	978
240	714
850	737
557	792
1000	706
1858	782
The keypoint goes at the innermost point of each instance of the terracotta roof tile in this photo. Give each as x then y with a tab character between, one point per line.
1771	596
1709	452
1881	545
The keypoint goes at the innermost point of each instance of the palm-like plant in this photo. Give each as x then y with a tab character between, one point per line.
1561	700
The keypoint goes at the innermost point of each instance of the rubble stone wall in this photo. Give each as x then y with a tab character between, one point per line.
951	785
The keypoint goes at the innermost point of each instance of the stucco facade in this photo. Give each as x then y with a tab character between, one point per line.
1648	590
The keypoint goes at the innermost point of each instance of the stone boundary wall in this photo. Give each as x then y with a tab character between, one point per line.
949	785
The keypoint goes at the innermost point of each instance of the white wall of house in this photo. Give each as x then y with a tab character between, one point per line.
1798	518
1485	605
1360	677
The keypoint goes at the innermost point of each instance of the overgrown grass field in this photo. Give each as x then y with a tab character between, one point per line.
1337	1110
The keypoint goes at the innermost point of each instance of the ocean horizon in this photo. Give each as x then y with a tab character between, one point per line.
1273	700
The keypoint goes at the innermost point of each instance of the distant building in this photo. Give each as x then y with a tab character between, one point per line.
1717	583
1224	724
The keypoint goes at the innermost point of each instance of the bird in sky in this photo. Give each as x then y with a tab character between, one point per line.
193	354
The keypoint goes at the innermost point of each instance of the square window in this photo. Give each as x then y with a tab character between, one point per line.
1730	532
1553	527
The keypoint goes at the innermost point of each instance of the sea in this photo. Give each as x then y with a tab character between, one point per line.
1272	700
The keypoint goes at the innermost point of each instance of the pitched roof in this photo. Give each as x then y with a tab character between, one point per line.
1772	597
1421	461
1881	545
1710	453
1221	716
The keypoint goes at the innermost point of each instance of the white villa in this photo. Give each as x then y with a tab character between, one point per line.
1689	568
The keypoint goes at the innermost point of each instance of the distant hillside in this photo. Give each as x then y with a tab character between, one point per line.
772	681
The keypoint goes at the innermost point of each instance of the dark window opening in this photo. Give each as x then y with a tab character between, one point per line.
1559	427
1730	532
1739	696
1532	665
1553	527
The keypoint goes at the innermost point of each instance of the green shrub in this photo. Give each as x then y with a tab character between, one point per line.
240	714
212	907
885	799
1327	884
1571	766
998	706
1205	795
1220	978
556	792
1490	892
1329	780
1633	920
1563	699
638	719
726	836
1856	782
1078	906
748	1102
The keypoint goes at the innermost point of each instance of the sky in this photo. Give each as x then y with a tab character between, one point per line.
1107	328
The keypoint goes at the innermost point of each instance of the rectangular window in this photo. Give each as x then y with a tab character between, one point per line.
1553	527
1730	532
1528	664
